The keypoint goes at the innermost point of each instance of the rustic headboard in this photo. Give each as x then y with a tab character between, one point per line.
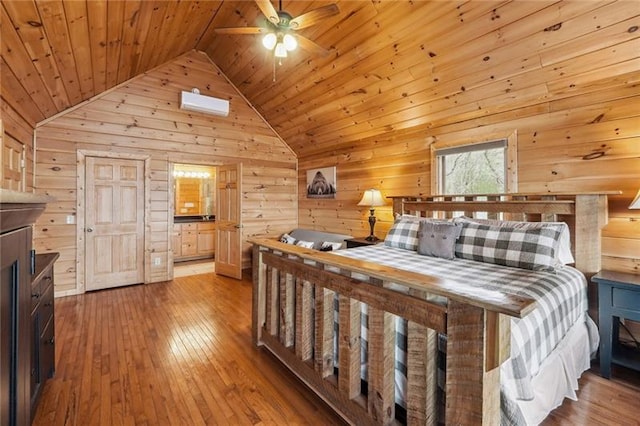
585	214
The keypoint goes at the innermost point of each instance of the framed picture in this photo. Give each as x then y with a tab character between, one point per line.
321	183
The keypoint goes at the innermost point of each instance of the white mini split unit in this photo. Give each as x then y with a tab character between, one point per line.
194	101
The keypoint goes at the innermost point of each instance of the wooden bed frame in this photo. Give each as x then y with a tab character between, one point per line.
293	314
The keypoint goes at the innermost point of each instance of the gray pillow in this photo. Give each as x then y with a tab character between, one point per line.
438	239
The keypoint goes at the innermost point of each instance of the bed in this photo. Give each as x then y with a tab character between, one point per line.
464	355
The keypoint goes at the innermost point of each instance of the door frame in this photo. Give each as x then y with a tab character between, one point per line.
81	205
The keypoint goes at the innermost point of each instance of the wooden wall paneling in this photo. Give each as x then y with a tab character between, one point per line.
97	20
15	127
172	36
131	20
365	39
194	24
400	57
78	23
509	56
165	137
115	18
398	60
16	97
17	58
55	26
26	20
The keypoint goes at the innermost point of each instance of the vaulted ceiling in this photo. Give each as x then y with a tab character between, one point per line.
392	65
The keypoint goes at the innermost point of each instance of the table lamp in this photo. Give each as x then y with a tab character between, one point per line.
372	198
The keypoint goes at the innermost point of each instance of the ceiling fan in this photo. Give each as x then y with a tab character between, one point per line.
279	31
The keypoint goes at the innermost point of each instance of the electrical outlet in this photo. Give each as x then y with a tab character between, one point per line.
71	219
156	261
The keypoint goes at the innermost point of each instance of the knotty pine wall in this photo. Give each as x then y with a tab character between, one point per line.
16	126
143	117
585	140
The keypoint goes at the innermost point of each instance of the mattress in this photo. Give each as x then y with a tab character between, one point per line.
561	298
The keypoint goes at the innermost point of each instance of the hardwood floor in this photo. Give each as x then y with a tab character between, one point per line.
175	353
180	353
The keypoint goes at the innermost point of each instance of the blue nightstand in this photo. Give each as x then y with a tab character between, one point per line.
618	297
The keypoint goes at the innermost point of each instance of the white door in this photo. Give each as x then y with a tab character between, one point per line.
229	221
114	222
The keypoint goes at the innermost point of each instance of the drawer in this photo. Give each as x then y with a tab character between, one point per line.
207	226
189	227
625	299
39	287
189	237
46	306
47	351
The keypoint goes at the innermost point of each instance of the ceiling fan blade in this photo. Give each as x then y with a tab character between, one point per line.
312	17
268	10
240	30
309	45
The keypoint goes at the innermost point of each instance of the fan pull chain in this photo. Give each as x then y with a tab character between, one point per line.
274	69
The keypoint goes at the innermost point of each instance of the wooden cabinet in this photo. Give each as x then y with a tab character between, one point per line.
42	326
189	240
14	322
193	240
206	239
21	337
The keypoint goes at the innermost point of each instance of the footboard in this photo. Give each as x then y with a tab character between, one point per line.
295	318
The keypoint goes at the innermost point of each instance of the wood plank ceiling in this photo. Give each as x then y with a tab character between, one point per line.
393	65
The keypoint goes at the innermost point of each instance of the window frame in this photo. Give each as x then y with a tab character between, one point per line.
465	144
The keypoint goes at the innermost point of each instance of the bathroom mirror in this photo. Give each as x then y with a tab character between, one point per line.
195	189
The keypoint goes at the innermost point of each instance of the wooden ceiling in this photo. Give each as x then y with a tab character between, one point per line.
393	66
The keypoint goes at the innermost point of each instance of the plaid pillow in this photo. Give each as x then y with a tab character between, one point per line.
403	234
563	253
533	249
404	231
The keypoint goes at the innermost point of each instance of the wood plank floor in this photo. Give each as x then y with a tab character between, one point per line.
180	353
175	353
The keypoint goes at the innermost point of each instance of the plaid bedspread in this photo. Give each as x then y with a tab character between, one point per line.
561	301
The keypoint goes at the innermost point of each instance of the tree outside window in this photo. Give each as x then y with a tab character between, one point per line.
473	169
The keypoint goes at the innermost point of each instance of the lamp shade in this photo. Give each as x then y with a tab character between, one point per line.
372	198
290	42
269	41
635	204
281	50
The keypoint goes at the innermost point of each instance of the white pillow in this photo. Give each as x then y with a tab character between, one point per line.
305	244
563	254
330	246
287	239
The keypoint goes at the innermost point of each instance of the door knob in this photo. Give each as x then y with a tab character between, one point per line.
89	229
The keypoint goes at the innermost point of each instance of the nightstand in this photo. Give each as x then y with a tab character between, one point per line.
618	297
359	242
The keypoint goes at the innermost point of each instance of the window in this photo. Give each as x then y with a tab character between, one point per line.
472	169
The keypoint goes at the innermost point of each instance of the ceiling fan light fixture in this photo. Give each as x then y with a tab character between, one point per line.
269	41
281	50
290	42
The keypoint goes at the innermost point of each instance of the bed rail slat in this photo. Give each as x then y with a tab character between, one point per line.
323	331
304	320
381	358
473	393
422	375
286	309
349	346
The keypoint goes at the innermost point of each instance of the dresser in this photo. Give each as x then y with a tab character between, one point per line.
24	364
